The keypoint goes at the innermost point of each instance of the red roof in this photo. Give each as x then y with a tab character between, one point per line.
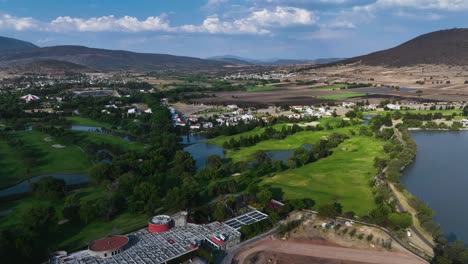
109	243
217	241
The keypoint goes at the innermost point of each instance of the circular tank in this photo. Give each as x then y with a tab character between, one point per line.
159	224
108	246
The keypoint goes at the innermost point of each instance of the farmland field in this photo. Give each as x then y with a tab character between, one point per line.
341	96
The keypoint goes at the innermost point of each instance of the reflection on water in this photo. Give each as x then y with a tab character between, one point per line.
438	177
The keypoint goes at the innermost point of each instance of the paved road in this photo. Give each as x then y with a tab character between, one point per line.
233	251
413	229
330	252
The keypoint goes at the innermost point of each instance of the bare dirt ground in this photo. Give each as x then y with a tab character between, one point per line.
317	251
437	83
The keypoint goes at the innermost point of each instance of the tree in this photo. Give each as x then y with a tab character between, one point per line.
40	218
264	196
220	212
214	161
419	93
329	210
49	188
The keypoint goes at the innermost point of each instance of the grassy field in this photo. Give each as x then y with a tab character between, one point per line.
11	168
291	142
68	159
341	96
343	176
219	141
83	121
329	87
259	88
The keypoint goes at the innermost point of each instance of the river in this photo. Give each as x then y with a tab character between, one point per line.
439	178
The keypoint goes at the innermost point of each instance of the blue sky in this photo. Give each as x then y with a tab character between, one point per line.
250	28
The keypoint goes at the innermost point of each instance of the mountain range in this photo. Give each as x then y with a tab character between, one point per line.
448	47
270	62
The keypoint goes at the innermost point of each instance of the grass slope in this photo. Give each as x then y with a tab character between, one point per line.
83	121
11	168
329	87
68	159
291	142
343	176
219	141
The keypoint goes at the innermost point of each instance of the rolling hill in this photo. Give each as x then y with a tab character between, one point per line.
8	44
103	59
448	47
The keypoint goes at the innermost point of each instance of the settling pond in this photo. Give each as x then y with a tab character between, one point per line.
439	178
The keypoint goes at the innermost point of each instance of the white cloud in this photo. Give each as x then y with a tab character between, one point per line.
445	5
257	22
109	23
212	4
341	24
418	16
252	21
9	22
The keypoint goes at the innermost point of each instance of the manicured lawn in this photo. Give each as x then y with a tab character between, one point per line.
12	169
291	142
219	141
344	176
341	96
73	236
83	121
259	88
68	159
329	87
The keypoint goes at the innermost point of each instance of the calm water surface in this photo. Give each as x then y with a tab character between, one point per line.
439	177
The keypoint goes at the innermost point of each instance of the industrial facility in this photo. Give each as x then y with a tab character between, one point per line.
165	239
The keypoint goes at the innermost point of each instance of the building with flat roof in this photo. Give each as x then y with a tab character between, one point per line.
166	238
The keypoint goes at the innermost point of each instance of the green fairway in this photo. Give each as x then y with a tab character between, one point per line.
68	159
341	96
219	141
330	87
262	88
291	142
83	121
12	169
344	176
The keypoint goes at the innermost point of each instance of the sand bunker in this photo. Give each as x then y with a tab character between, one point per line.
58	146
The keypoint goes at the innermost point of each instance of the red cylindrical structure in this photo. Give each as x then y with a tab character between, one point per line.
159	224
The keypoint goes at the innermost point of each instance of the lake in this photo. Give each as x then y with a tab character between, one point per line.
439	178
23	187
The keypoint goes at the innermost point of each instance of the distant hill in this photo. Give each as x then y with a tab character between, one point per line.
47	67
14	44
441	47
271	62
100	59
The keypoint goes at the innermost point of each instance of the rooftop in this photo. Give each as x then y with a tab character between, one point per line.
109	243
146	247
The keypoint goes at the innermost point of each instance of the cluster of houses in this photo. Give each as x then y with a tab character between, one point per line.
259	76
309	111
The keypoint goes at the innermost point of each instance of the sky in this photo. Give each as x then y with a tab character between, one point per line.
259	29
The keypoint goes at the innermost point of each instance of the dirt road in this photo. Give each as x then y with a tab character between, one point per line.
317	249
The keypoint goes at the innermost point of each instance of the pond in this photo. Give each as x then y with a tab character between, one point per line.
23	187
86	128
439	178
202	150
285	155
367	118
